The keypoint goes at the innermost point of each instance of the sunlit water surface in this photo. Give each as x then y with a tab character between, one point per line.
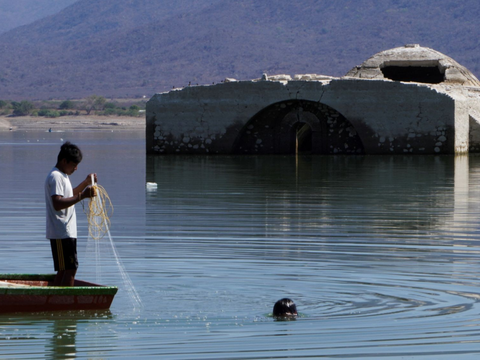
381	254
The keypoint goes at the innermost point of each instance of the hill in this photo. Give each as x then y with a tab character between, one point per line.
131	48
21	12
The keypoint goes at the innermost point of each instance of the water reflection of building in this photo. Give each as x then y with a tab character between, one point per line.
461	188
310	193
407	100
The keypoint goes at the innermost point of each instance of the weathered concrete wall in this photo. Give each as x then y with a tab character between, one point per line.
396	118
474	131
472	99
386	117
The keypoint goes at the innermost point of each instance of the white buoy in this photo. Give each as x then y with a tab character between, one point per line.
151	186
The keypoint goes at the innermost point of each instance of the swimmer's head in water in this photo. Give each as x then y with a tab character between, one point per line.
284	308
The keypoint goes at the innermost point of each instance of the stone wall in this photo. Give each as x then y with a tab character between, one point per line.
396	118
340	116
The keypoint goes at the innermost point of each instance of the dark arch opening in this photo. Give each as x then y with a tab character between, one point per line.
421	74
298	126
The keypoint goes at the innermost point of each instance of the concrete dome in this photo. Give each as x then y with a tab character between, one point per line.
413	63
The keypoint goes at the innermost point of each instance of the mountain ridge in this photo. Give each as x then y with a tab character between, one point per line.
22	12
134	48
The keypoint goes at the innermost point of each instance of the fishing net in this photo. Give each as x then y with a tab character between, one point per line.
98	213
102	252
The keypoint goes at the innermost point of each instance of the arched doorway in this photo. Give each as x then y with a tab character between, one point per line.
298	126
303	138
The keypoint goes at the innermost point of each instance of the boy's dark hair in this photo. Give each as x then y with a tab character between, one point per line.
284	307
70	152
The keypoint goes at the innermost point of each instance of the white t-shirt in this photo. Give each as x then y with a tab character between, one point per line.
60	224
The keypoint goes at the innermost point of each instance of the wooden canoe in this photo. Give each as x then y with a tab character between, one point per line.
36	293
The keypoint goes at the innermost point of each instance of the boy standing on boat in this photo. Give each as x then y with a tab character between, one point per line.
60	199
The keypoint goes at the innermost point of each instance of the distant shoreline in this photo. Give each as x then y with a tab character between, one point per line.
74	122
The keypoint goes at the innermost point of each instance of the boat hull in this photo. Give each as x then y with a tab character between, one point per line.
36	293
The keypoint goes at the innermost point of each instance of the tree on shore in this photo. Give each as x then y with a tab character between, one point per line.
22	108
94	102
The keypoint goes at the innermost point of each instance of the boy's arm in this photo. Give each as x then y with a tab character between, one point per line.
60	202
79	193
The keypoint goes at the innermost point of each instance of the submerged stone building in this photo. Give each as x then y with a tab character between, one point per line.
406	100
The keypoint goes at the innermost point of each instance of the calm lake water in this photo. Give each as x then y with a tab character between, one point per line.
381	254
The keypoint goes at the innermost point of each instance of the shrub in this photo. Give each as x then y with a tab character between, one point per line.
110	111
52	114
22	108
49	113
67	104
133	112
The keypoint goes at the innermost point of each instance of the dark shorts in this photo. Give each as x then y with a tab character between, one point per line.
64	252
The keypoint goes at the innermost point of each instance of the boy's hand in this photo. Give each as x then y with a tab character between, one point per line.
88	180
89	192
